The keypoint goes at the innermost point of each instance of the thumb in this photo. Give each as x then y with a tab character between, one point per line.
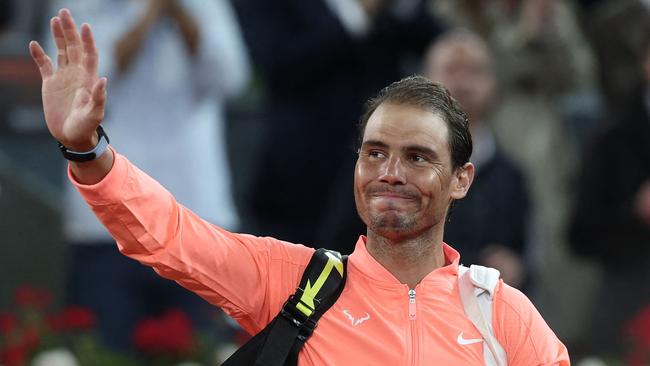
98	100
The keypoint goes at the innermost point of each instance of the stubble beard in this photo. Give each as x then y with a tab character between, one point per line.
392	224
391	221
401	234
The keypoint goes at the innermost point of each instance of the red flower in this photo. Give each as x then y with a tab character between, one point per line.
7	323
16	352
30	338
72	318
169	334
636	359
638	329
15	355
27	296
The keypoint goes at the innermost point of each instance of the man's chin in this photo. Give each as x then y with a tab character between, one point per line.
390	224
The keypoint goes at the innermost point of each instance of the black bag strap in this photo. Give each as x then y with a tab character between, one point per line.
280	342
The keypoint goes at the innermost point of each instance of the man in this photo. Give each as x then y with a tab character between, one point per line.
615	30
173	64
489	226
402	280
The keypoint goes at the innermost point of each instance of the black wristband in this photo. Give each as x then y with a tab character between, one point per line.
96	152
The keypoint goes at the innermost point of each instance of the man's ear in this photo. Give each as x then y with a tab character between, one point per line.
461	181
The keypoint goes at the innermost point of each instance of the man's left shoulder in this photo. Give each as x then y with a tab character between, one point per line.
512	299
518	324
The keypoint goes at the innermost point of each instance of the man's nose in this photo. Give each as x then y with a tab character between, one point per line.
392	172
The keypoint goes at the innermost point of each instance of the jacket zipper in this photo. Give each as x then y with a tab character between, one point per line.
412	313
411	304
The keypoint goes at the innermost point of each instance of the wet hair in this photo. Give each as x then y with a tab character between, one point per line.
421	92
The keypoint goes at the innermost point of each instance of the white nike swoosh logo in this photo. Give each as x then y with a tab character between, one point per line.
464	342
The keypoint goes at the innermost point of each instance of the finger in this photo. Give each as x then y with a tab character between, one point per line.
42	60
71	35
89	49
59	40
98	99
99	90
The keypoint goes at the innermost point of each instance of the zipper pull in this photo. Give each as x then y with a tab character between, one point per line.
411	304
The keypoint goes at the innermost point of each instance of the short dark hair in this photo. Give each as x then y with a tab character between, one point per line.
421	92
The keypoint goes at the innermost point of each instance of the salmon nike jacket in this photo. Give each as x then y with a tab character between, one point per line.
376	321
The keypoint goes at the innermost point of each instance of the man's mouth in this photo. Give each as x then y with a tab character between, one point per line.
392	193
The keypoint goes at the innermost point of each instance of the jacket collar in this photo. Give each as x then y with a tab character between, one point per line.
361	260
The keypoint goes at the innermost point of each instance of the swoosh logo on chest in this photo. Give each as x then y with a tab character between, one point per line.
464	342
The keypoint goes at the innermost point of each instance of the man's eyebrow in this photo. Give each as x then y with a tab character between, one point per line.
409	148
374	143
422	150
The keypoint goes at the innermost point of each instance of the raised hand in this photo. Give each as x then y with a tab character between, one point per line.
73	95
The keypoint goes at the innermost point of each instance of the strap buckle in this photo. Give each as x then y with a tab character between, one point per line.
305	324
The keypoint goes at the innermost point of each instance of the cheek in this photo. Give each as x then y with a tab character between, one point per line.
432	189
363	174
360	180
429	183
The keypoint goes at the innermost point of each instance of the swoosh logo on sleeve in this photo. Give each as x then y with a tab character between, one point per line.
464	342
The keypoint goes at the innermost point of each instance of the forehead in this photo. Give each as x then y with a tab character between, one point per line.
399	125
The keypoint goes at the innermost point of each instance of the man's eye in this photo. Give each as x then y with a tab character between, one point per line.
375	154
416	158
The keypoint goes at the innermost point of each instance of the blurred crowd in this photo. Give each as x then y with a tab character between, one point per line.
247	111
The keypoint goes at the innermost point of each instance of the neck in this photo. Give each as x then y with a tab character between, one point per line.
409	260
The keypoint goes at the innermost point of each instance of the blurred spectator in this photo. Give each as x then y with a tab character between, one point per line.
20	21
9	39
611	223
19	79
6	14
169	74
489	226
320	60
616	30
543	68
539	58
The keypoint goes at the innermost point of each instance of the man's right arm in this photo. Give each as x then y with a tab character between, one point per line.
249	277
74	97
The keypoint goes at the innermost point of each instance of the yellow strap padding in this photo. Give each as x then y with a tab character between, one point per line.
306	304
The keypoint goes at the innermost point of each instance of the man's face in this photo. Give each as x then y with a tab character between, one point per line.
463	66
403	177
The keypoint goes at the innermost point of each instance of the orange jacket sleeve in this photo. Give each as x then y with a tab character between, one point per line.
249	277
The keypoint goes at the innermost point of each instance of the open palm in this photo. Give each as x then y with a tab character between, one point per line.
73	96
